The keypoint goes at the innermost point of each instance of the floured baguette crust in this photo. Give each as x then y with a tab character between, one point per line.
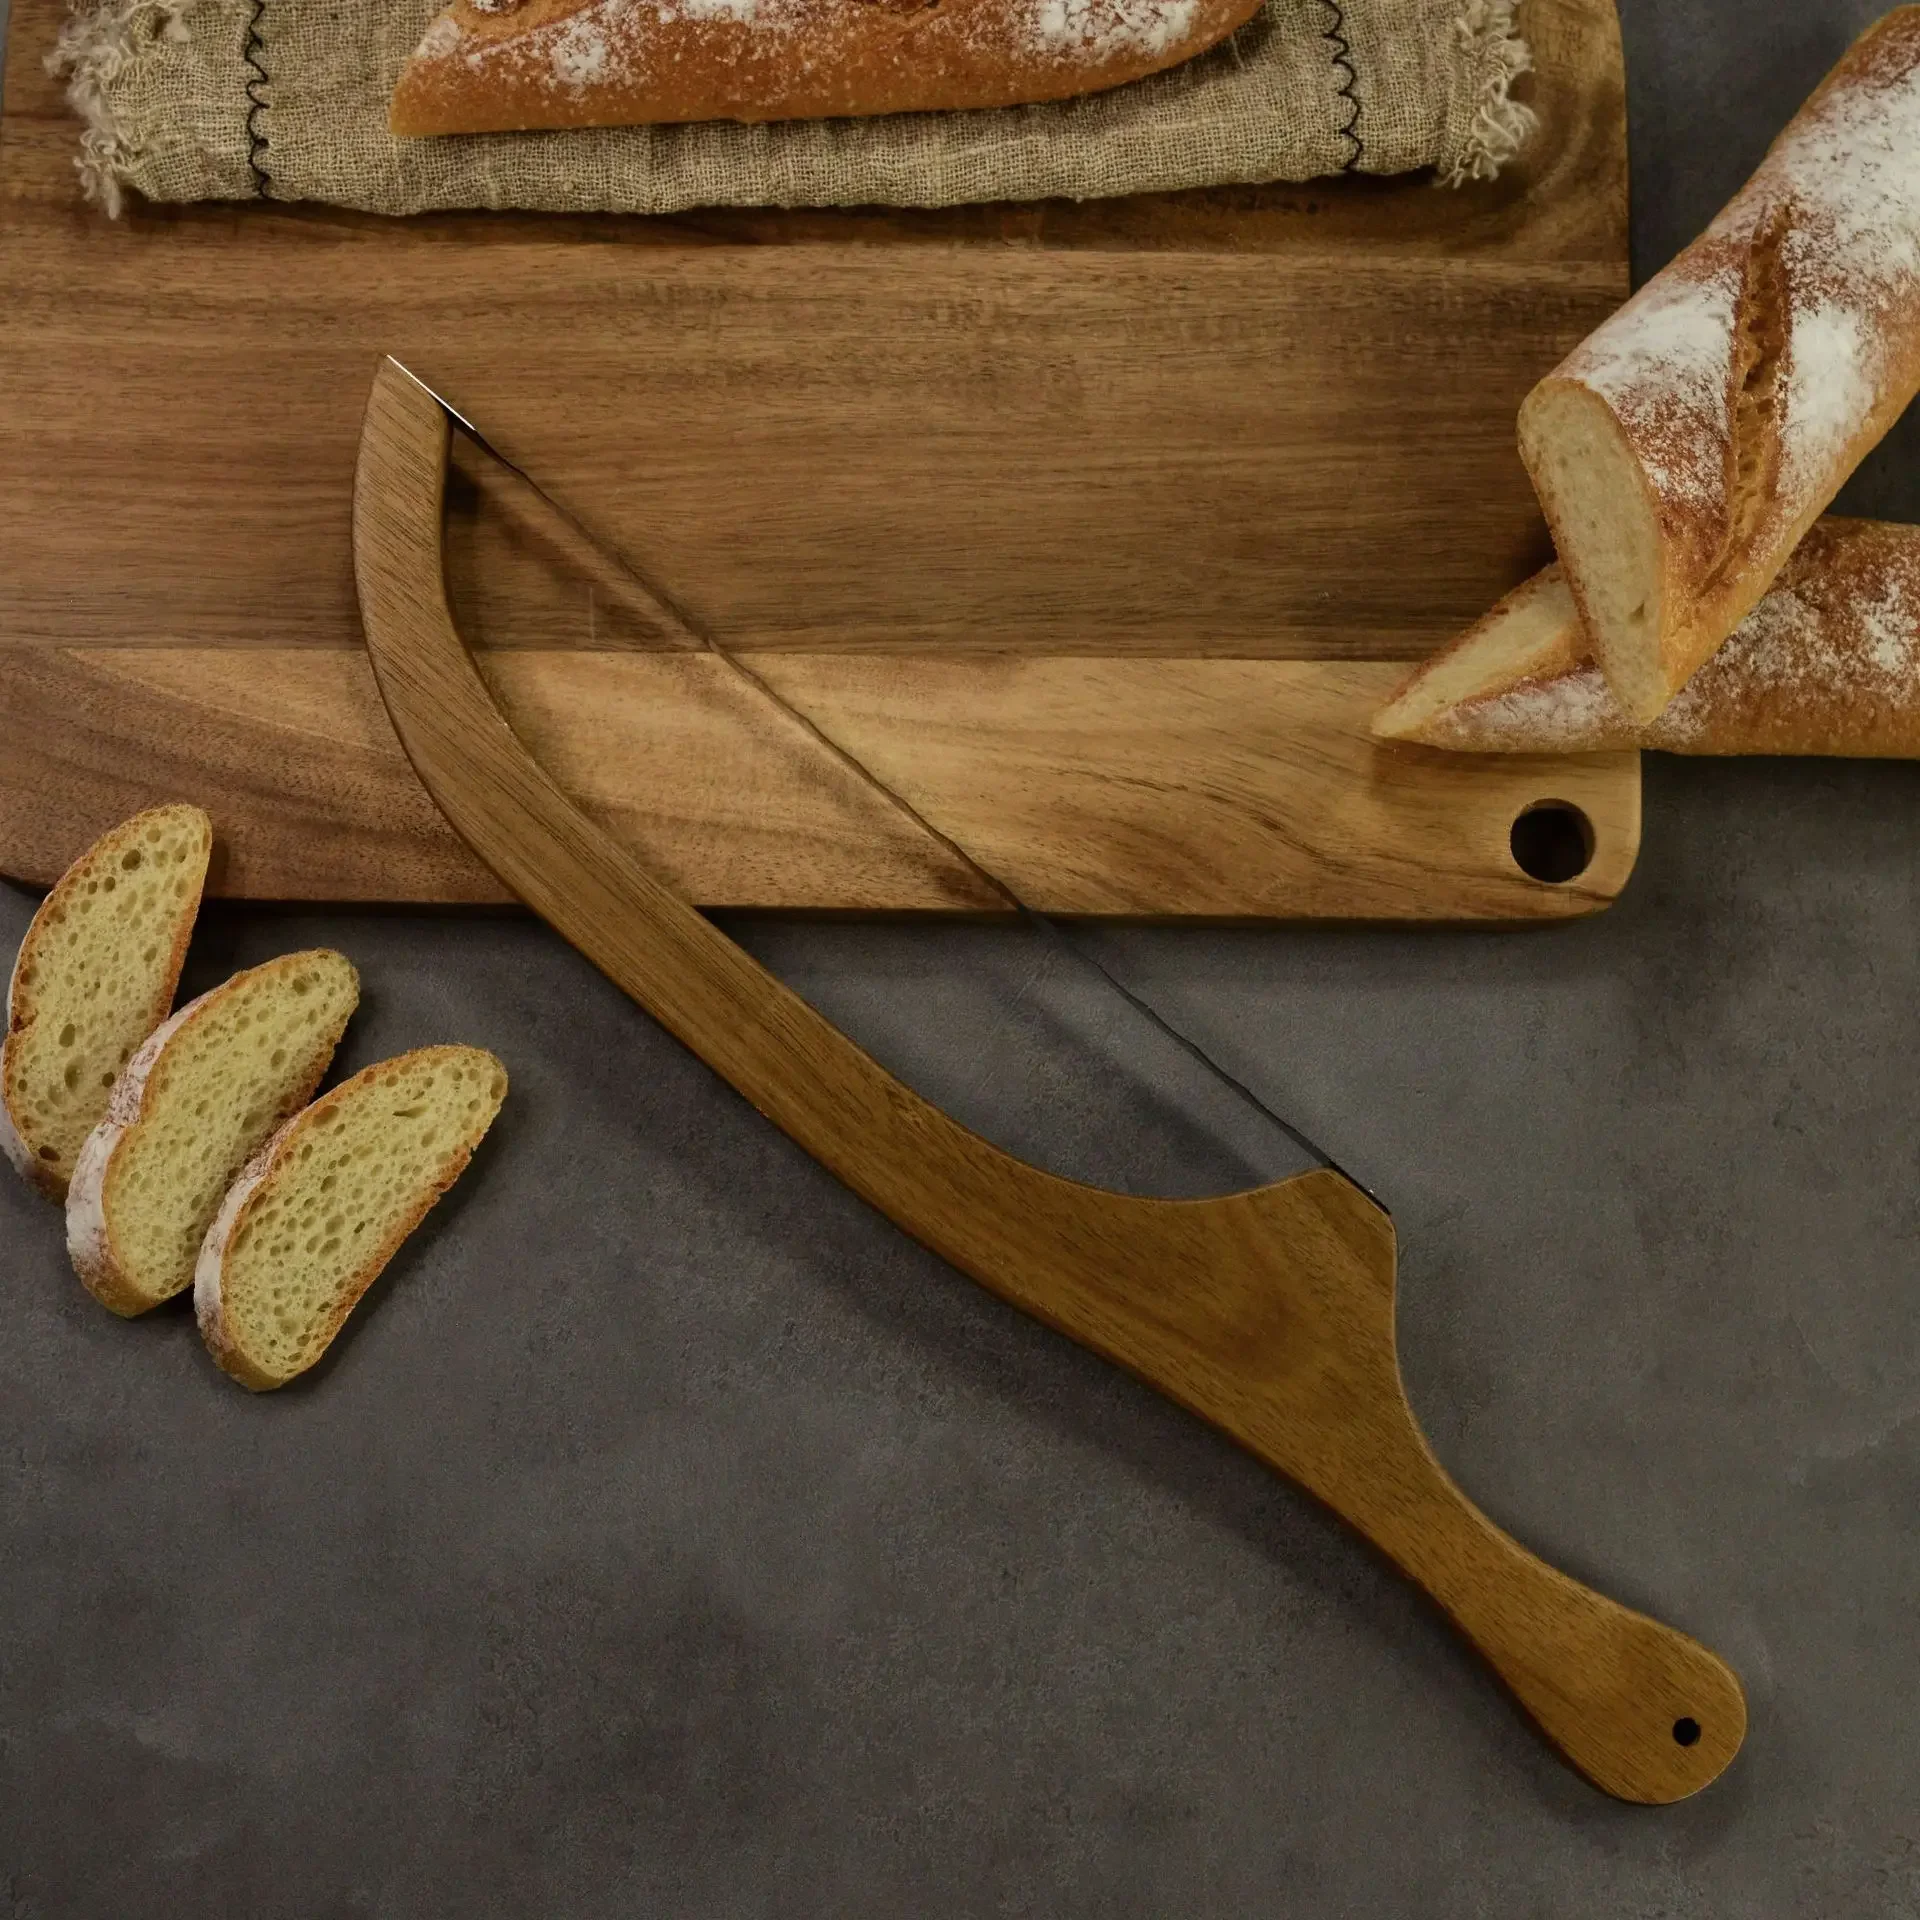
488	66
209	1304
1682	451
182	835
1827	664
280	1159
19	1156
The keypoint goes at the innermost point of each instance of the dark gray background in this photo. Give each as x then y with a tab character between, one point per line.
669	1535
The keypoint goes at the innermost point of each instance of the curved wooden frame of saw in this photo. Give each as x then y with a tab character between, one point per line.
1268	1313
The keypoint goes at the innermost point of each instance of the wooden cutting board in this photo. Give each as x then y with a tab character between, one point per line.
1097	530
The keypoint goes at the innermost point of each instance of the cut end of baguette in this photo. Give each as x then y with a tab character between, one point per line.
323	1208
94	977
1607	535
1534	634
194	1105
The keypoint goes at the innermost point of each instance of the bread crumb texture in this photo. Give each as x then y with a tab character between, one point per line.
94	977
228	1071
326	1205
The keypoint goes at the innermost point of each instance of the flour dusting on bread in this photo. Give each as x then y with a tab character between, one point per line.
1829	387
607	43
1848	174
580	53
1072	26
1828	663
561	63
1661	362
439	40
1682	451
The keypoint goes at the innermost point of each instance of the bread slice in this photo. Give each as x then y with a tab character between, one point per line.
94	977
192	1108
1684	448
325	1205
1828	663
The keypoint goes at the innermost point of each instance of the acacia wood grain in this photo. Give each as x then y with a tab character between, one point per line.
1254	425
1268	1313
668	751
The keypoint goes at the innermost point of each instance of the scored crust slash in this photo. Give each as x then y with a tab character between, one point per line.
1269	1313
1683	455
1682	451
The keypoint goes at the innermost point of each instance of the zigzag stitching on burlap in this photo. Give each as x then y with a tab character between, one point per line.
256	140
1336	37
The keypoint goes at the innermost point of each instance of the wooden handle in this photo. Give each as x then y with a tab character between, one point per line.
1644	1711
1268	1313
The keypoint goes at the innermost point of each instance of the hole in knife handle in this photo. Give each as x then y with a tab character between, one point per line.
1552	842
1686	1730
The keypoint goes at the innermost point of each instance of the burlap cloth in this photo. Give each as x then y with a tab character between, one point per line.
287	100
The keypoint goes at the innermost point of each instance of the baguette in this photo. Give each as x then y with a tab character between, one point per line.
488	66
1827	663
192	1108
95	975
1683	450
323	1207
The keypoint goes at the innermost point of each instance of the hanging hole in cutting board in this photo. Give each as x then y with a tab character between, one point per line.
1686	1730
1552	842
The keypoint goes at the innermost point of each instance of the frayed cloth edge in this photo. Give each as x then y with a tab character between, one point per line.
93	51
1498	125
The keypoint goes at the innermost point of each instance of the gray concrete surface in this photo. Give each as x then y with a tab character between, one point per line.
669	1536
